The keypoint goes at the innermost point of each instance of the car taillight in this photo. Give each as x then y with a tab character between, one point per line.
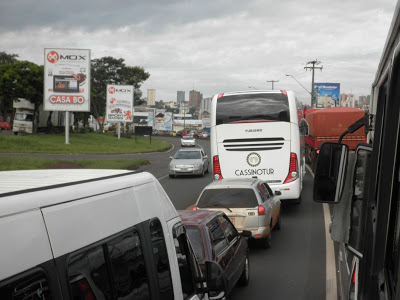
194	208
220	95
261	210
284	93
217	168
293	169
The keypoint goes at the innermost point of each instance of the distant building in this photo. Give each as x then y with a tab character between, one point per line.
180	97
205	105
345	100
195	98
151	97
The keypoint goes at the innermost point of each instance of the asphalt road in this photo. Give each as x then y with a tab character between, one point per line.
295	265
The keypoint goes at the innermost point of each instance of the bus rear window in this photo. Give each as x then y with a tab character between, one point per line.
252	107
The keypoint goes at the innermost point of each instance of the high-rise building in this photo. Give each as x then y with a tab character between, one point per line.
180	97
195	98
151	97
205	105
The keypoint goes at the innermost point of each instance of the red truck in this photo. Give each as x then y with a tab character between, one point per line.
327	125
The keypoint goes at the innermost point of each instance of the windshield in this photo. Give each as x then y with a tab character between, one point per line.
228	197
252	107
187	155
196	241
23	117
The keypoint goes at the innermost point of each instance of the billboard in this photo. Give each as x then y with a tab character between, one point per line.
66	79
119	103
327	94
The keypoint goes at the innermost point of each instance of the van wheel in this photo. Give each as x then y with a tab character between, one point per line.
244	278
207	171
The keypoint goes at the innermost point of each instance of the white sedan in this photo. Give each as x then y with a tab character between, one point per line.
189	162
188	141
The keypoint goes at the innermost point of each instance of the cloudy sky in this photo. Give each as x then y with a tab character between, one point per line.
212	46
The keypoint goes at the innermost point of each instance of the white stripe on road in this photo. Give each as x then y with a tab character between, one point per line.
331	286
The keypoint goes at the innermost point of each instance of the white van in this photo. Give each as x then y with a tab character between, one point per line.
258	134
95	234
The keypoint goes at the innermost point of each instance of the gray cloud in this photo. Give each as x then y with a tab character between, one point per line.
213	46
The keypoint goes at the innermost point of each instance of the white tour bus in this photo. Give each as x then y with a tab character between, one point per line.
258	134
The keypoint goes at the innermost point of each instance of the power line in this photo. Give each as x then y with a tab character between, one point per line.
313	63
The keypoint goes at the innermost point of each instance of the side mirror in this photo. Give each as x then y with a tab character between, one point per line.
205	156
246	234
216	281
330	172
278	193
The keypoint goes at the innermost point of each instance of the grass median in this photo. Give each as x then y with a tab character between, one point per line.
88	143
30	163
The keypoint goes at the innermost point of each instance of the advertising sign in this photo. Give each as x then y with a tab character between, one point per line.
119	103
168	121
150	118
66	80
327	94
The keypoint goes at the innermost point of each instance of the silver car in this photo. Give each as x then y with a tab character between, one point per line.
188	141
249	203
189	162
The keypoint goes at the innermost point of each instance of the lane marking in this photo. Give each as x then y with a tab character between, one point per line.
331	284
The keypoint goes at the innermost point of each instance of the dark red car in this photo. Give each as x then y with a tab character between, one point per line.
214	238
4	125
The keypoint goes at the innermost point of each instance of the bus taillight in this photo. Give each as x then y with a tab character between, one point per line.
293	169
217	168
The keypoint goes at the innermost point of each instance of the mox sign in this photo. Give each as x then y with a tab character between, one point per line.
119	104
67	79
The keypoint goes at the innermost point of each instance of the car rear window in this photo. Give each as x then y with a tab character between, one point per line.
186	137
252	107
228	197
187	155
197	241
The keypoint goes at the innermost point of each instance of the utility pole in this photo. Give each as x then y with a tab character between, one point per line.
313	63
272	81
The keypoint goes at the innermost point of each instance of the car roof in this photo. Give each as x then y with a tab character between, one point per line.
32	189
234	182
197	217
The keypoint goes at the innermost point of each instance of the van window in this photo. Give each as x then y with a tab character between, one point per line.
251	107
34	286
114	270
183	257
88	275
128	267
160	256
228	197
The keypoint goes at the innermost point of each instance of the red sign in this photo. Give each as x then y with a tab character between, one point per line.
67	99
111	90
53	57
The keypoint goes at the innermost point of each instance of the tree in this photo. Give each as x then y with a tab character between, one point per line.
22	79
109	70
7	59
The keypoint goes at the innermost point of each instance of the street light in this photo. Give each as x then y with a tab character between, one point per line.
298	83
